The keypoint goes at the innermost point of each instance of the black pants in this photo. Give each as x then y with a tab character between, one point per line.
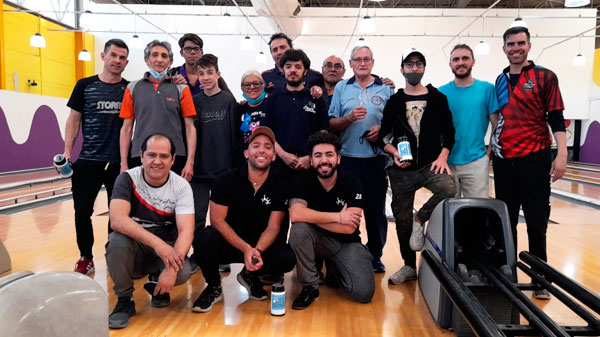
87	180
201	188
525	181
210	250
371	173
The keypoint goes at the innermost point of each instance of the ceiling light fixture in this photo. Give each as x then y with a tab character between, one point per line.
482	48
576	3
260	58
226	23
86	19
84	55
247	43
518	22
37	40
136	42
579	59
361	42
367	25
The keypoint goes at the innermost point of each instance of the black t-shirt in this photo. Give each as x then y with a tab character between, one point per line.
100	104
347	190
248	212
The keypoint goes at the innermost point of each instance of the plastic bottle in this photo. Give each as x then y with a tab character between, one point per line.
278	300
63	166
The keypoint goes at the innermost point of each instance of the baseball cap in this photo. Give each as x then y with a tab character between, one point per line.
263	130
410	51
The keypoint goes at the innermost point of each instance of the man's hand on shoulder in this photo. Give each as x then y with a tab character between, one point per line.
178	79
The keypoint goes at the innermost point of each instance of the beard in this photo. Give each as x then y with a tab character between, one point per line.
465	75
329	174
258	167
294	84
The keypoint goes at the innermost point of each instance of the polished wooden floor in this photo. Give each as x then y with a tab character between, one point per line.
43	239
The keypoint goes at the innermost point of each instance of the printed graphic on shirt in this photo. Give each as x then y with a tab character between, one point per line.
212	115
249	123
414	113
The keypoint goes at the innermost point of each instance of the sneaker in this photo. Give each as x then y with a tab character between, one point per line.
541	294
406	273
378	266
194	267
271	278
417	237
160	300
211	295
331	281
124	309
84	266
252	285
306	297
224	268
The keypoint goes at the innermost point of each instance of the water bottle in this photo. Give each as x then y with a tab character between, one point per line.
404	149
278	300
63	166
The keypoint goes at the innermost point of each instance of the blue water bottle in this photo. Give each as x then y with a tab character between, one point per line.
404	149
63	166
278	300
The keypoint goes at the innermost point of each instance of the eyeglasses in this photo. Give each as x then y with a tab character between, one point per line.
192	49
365	60
248	85
419	64
336	66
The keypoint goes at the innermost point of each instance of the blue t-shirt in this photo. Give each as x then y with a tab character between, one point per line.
293	116
470	107
347	96
99	103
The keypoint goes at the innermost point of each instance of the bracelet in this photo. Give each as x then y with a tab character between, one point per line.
260	251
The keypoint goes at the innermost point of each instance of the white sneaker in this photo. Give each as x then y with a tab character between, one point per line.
417	237
406	273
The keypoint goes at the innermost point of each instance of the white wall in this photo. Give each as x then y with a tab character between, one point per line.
429	30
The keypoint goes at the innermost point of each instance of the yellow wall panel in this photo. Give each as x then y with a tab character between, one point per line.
2	49
597	67
53	67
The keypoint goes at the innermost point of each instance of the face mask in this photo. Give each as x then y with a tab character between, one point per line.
413	78
156	74
257	100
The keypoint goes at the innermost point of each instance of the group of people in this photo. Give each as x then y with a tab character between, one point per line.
303	147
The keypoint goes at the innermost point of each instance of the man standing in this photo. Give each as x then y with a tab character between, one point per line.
325	209
530	100
294	114
356	111
333	70
95	104
473	104
152	214
275	78
247	207
191	50
419	114
157	105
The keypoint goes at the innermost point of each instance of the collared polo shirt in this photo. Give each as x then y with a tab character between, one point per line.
345	98
293	116
347	190
248	211
275	79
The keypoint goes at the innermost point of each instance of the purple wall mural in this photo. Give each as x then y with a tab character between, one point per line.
590	150
43	143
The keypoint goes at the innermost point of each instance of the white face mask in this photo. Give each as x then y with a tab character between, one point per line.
158	75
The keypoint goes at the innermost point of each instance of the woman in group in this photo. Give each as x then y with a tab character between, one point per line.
250	110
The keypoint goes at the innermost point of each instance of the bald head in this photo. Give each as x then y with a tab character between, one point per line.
333	69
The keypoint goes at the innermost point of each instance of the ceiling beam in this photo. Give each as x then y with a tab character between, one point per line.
461	3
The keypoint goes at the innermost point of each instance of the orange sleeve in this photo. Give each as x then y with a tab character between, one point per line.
187	103
127	106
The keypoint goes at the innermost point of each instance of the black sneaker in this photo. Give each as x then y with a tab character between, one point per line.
271	278
378	266
160	300
224	268
124	309
306	297
211	295
252	285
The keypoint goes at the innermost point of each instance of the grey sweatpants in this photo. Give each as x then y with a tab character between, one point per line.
127	259
352	261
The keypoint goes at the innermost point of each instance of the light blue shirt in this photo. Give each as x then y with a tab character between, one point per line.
345	98
470	107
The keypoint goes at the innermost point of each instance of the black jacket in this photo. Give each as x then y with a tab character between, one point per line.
437	130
